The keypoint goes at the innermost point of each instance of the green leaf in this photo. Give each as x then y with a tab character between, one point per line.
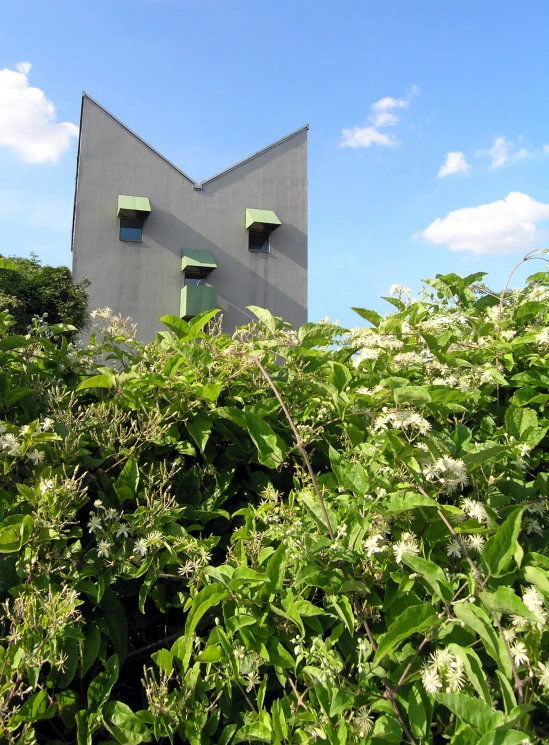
412	620
35	708
129	476
413	394
269	446
474	669
90	649
519	421
370	315
100	688
407	501
344	611
16	342
200	429
15	531
417	712
97	381
164	660
339	376
501	547
350	475
124	725
279	720
495	452
503	737
211	391
213	653
432	574
265	316
477	620
275	568
8	264
207	598
253	732
537	577
179	327
504	600
83	731
470	710
314	507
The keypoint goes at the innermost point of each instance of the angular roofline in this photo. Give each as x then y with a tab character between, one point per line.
254	155
194	183
130	131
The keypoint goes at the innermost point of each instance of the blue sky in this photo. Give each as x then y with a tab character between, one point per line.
389	89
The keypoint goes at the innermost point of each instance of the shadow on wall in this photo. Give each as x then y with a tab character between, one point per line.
238	280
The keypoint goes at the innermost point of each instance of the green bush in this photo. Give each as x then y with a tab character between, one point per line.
200	543
32	291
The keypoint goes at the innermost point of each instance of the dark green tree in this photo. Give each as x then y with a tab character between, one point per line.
30	290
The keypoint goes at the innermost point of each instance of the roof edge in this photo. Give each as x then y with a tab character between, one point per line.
194	183
254	155
130	131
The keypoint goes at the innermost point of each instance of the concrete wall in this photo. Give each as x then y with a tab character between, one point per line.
144	280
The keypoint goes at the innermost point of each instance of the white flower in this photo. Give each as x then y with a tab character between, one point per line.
37	456
364	721
103	548
543	337
154	537
509	635
455	677
2	429
520	654
140	547
46	425
454	549
372	547
532	599
537	508
407	545
46	485
474	509
123	529
111	514
399	290
475	542
542	671
431	680
94	523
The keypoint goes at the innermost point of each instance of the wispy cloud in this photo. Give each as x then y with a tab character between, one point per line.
455	163
382	114
27	119
499	227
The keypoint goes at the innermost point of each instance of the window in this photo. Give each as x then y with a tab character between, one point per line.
131	229
258	240
193	280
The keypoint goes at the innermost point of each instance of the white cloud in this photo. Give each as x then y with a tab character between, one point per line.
546	149
499	227
454	163
380	116
27	119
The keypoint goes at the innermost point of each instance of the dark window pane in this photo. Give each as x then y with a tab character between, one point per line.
258	240
193	280
131	230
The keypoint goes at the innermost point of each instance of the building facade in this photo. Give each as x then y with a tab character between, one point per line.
153	242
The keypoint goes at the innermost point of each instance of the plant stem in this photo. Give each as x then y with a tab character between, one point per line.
298	440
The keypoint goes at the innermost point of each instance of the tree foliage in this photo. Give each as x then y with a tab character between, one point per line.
30	290
202	544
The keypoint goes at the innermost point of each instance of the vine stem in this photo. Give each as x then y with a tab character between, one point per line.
298	440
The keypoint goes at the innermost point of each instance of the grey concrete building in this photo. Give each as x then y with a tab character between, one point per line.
153	242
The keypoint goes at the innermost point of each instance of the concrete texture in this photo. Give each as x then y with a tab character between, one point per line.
144	280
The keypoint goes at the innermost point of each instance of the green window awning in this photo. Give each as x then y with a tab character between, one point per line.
133	206
199	260
196	299
261	220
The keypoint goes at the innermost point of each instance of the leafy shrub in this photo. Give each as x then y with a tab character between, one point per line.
202	544
30	290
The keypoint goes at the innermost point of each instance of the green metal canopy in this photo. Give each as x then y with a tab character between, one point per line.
129	206
261	220
200	259
196	299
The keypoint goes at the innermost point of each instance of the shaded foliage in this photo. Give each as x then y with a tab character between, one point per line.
198	543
